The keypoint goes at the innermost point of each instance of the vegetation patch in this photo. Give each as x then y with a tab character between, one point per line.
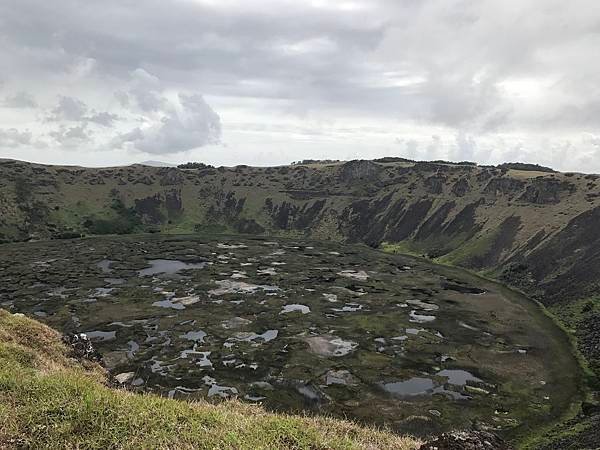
118	220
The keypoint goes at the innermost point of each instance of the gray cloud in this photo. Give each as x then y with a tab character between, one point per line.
20	100
68	108
469	68
71	136
72	109
13	138
196	125
105	119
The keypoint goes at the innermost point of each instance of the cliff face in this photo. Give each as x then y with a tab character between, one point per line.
536	230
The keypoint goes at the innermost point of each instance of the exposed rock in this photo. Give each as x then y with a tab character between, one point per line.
359	170
435	184
111	360
171	177
466	440
546	191
82	347
589	338
125	377
503	186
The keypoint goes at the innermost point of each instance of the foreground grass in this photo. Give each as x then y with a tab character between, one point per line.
48	400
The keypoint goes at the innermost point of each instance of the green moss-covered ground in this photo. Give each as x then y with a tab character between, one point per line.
48	400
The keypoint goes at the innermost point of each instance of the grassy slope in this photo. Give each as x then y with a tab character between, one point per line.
48	400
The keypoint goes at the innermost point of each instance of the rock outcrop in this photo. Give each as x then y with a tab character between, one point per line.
466	440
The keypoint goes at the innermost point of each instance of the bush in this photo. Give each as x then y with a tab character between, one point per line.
194	165
526	166
125	222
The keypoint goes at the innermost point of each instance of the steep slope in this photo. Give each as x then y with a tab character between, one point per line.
537	230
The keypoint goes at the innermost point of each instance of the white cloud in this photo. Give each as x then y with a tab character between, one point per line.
194	125
105	119
68	108
20	100
71	136
490	79
12	137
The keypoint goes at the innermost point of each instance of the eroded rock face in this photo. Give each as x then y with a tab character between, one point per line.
466	440
546	191
359	170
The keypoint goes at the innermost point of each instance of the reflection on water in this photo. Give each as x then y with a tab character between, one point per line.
413	386
169	267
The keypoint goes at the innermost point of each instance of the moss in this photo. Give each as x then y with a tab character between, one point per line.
470	250
401	248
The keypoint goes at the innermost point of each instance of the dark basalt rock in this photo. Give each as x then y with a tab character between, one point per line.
149	209
461	187
466	440
544	191
170	177
359	170
435	221
503	186
589	337
409	221
81	346
173	203
435	184
502	241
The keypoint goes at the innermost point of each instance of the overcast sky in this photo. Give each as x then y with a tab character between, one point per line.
266	82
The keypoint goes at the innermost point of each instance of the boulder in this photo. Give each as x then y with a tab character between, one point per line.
466	440
81	346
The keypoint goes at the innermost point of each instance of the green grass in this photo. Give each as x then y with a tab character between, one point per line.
48	400
400	248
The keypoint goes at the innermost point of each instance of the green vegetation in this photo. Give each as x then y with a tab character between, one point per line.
194	165
400	248
119	220
49	400
526	167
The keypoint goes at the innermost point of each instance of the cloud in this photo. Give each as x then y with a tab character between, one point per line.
71	109
20	100
378	57
68	108
145	91
195	125
71	136
105	119
13	138
592	139
482	68
466	147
